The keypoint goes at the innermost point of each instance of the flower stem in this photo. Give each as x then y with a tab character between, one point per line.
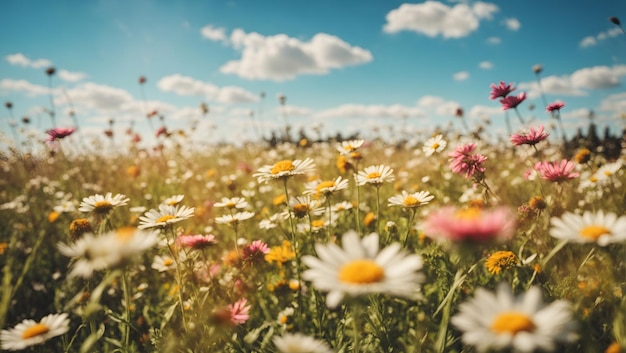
126	290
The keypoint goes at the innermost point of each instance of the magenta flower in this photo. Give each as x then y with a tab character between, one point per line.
59	133
161	131
554	106
196	241
532	138
511	102
239	312
500	91
557	171
256	251
464	162
470	225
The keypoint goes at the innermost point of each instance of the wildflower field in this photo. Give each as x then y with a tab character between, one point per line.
446	244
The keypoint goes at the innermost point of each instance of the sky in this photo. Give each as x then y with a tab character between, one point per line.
378	67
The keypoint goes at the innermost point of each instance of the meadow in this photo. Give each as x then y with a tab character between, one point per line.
445	244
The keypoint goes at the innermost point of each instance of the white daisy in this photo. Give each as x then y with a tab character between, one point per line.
375	175
342	206
591	227
300	343
102	204
319	188
434	144
234	219
174	200
163	263
29	333
347	147
302	206
284	170
496	321
233	202
65	206
360	267
165	216
413	200
95	253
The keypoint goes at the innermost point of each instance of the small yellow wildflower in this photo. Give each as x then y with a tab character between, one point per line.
280	254
369	219
582	156
500	260
53	216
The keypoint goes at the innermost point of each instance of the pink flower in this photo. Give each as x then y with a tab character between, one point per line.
239	312
471	225
464	162
59	133
533	137
256	251
196	241
501	90
557	171
510	102
554	106
161	131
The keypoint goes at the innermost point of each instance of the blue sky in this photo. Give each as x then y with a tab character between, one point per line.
342	65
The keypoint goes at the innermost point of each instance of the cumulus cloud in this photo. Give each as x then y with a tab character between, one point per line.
434	18
513	24
187	86
482	111
20	59
486	65
71	76
590	41
461	76
293	110
360	110
99	97
614	103
280	57
577	84
31	90
438	104
214	34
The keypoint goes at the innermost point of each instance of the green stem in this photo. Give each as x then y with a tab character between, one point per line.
555	250
126	290
378	209
179	280
356	327
408	226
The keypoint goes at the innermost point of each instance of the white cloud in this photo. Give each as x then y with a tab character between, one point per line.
71	76
359	110
99	97
461	76
590	41
486	65
280	57
293	110
438	104
434	18
494	40
187	86
576	84
214	34
31	90
614	103
482	111
21	60
513	24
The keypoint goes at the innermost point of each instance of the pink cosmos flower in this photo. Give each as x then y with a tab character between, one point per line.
500	91
556	171
161	131
532	138
464	162
59	133
196	241
511	102
470	225
554	106
256	251
239	312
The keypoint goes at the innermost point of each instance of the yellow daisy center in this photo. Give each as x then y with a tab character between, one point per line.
325	185
301	209
283	166
167	262
500	260
468	214
125	233
318	223
410	201
361	272
102	206
373	175
35	330
164	218
594	232
512	322
230	204
172	202
349	148
435	146
593	179
608	173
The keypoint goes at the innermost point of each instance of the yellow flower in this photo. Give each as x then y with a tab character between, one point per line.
537	203
279	200
582	156
280	254
500	260
614	348
369	219
53	216
80	226
3	247
133	171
